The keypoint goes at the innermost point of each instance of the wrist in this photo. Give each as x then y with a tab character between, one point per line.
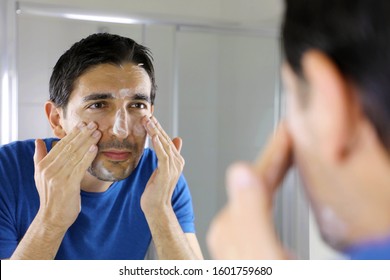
49	226
159	215
41	241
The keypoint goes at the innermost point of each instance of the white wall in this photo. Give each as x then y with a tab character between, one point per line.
3	25
239	11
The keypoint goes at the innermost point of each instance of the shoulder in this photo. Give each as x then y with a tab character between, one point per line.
16	171
17	148
20	152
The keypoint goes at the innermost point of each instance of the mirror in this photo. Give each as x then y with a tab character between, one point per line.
218	88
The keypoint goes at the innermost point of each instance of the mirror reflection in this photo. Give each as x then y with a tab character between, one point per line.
218	89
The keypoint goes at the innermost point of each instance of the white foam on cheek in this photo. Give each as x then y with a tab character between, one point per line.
120	126
139	129
104	172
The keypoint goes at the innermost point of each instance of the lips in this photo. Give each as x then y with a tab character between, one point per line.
117	155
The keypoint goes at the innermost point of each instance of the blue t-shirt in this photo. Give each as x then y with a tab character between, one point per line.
111	224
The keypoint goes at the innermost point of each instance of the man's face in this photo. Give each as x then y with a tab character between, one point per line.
116	98
306	123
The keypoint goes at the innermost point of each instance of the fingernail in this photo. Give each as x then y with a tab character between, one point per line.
93	148
150	124
240	176
81	125
96	134
91	125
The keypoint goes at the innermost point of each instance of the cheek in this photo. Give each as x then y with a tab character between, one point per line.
138	129
71	120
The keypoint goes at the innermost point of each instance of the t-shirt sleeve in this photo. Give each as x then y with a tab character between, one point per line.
8	236
19	199
182	205
8	231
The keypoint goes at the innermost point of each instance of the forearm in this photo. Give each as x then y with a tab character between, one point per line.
40	242
170	241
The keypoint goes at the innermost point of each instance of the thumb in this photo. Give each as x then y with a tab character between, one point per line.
239	177
40	151
247	193
178	142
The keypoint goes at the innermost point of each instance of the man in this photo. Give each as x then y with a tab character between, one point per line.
97	193
336	132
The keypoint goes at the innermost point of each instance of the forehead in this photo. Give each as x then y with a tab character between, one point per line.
115	79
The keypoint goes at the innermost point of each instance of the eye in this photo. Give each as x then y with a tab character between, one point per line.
97	105
138	106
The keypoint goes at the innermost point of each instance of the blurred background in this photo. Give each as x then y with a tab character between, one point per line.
217	69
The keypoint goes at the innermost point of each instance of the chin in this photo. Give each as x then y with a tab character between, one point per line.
116	173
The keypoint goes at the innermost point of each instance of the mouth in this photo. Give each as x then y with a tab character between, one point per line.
117	155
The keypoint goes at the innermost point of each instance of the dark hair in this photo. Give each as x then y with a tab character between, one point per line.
355	34
94	50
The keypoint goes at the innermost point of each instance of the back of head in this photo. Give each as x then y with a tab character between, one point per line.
94	50
355	34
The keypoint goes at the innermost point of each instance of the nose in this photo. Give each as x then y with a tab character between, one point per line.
120	128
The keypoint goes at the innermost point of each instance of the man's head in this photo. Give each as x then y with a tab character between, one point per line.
96	49
336	74
109	80
355	35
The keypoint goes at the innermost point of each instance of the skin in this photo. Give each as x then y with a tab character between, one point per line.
330	140
103	132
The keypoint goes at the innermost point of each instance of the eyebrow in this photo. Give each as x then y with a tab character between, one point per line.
102	96
141	96
97	96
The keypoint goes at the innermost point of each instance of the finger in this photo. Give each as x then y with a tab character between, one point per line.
244	187
87	136
150	126
85	162
276	159
162	156
59	147
40	151
73	152
178	143
166	140
153	130
160	129
179	160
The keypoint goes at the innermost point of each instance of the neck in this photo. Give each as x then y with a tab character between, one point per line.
92	184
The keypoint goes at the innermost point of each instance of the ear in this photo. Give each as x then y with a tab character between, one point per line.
54	115
333	108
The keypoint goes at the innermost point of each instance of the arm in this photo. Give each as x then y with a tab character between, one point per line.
244	228
170	240
58	175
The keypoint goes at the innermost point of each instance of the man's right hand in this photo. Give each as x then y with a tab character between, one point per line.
58	175
244	228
